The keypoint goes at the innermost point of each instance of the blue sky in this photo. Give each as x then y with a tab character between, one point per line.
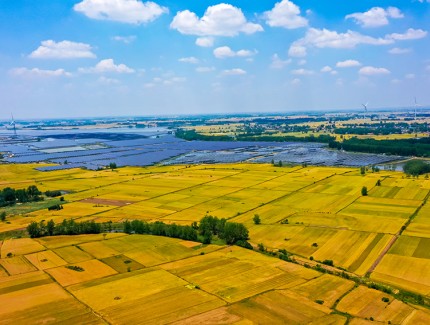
80	58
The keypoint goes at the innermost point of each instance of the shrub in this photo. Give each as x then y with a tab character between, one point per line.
328	262
75	268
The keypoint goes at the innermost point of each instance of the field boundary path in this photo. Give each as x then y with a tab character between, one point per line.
397	236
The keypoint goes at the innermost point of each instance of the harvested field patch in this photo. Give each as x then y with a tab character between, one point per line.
365	303
20	246
118	203
122	264
17	265
93	269
45	260
326	288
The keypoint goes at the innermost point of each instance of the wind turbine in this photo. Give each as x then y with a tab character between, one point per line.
12	123
415	112
365	108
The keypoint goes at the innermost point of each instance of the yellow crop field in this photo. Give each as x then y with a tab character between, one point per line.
420	225
92	269
62	241
365	303
185	287
35	298
45	260
311	211
20	247
282	306
72	254
327	288
242	278
16	265
410	273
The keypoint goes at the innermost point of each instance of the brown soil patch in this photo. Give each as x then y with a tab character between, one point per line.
118	203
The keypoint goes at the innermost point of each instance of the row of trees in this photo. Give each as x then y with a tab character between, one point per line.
403	147
159	228
204	231
67	227
9	196
194	135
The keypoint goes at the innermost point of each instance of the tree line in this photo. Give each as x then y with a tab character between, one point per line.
191	135
205	231
67	227
402	147
10	196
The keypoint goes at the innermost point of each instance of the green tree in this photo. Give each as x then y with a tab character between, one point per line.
234	232
32	190
21	195
280	163
3	216
416	167
256	219
112	165
362	170
378	182
9	195
261	247
50	227
33	229
364	191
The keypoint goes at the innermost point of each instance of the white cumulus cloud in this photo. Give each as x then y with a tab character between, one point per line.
398	50
370	71
226	52
348	64
376	16
190	59
302	72
36	72
124	11
278	63
326	69
106	66
324	38
125	39
219	20
410	34
50	49
285	14
233	72
205	41
205	69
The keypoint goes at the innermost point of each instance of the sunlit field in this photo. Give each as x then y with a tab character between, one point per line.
314	213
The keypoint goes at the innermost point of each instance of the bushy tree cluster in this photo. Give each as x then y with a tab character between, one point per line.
9	196
416	167
67	227
53	193
160	229
231	232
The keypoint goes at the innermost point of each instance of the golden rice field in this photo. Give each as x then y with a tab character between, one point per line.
194	284
314	213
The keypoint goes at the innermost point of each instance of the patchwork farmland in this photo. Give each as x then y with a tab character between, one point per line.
316	214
